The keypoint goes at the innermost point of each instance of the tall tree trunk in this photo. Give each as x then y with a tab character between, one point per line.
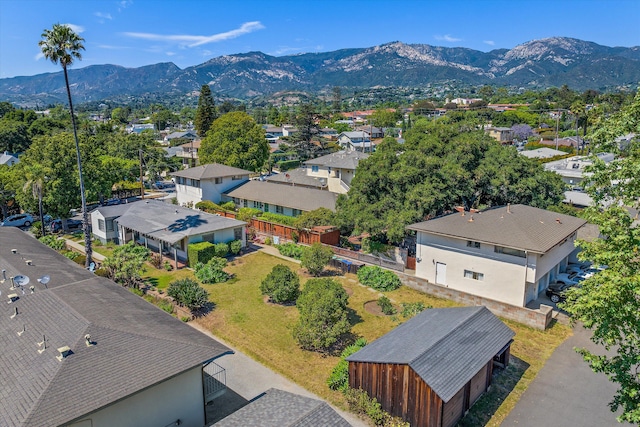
83	197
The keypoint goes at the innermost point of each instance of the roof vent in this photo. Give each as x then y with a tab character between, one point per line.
4	276
558	221
64	352
87	340
15	312
28	261
24	328
12	298
32	289
14	251
176	210
460	209
508	208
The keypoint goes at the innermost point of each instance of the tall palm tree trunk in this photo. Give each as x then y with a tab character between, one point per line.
85	215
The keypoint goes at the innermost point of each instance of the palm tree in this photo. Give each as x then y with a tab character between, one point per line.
62	45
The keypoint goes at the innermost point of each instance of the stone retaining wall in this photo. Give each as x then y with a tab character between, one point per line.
538	319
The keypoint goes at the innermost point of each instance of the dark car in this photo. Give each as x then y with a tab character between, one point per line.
111	202
556	291
72	224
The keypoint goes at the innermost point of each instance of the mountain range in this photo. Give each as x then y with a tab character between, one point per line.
533	65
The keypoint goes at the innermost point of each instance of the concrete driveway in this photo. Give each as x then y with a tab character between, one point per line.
566	392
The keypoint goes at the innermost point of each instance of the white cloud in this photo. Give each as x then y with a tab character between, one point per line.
39	56
124	4
112	47
489	42
192	41
103	15
170	53
76	28
447	38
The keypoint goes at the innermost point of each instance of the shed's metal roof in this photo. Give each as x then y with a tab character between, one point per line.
446	347
518	226
137	344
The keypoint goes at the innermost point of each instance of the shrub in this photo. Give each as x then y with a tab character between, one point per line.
228	206
200	252
136	291
278	218
285	165
370	246
165	305
386	306
281	285
360	403
125	264
290	249
378	278
208	206
222	250
80	259
36	229
245	214
156	260
267	241
212	271
410	309
323	315
310	219
339	378
70	254
168	266
101	272
235	246
53	242
315	258
188	293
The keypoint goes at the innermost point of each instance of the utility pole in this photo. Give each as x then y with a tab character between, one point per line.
141	177
557	124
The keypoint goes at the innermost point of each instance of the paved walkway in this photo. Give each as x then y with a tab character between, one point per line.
566	392
80	248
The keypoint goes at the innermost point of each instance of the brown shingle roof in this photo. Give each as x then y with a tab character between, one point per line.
519	226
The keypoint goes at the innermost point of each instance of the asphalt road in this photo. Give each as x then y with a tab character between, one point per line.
566	392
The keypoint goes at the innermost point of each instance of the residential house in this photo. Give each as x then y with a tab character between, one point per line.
500	134
542	153
189	153
336	169
79	350
297	177
508	254
355	141
288	130
572	169
431	369
288	200
207	182
138	128
8	159
374	132
278	408
163	228
273	133
189	134
328	133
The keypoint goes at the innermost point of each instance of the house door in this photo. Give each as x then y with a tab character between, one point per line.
441	273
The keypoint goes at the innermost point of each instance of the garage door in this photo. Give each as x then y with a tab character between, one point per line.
478	384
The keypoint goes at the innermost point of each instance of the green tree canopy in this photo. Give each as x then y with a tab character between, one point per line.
124	266
608	303
382	117
315	258
317	217
323	315
14	136
235	140
206	112
281	284
440	165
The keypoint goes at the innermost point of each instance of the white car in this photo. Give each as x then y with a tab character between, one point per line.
568	279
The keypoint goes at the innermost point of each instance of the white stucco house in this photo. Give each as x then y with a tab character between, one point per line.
356	141
572	169
207	182
82	351
162	227
509	254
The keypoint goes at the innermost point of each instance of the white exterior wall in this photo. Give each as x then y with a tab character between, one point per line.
333	177
222	236
103	236
179	398
272	208
207	191
188	194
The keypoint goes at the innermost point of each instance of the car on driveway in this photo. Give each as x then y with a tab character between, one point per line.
568	279
556	292
19	220
56	225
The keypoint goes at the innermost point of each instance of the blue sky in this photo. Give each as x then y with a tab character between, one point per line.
133	33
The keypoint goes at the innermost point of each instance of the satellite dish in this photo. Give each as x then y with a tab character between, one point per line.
21	280
44	279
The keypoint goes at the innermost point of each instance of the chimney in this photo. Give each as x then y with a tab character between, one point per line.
64	352
558	221
460	209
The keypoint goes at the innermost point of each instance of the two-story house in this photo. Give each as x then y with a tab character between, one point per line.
355	141
207	182
188	152
501	134
336	169
508	254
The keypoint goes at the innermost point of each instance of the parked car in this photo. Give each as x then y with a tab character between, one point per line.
556	292
111	202
19	220
568	279
56	225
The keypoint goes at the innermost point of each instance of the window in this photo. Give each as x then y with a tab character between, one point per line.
314	168
208	237
509	251
236	177
472	244
279	209
195	183
237	233
246	203
235	200
109	225
217	181
257	205
101	225
266	207
473	275
297	212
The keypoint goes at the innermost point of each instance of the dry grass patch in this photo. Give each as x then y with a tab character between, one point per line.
263	331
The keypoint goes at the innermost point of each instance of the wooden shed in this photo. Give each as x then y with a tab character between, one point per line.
431	369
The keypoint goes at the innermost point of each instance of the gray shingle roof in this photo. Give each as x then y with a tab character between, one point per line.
519	226
169	223
277	408
446	347
137	344
297	177
211	170
341	159
302	198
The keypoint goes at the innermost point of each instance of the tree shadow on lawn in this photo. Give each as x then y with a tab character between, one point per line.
502	384
353	317
204	310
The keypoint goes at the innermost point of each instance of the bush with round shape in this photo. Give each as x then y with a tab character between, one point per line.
281	285
315	258
188	293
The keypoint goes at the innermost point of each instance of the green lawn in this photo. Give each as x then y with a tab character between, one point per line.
160	278
263	331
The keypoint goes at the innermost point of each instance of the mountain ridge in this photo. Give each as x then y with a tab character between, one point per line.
535	64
